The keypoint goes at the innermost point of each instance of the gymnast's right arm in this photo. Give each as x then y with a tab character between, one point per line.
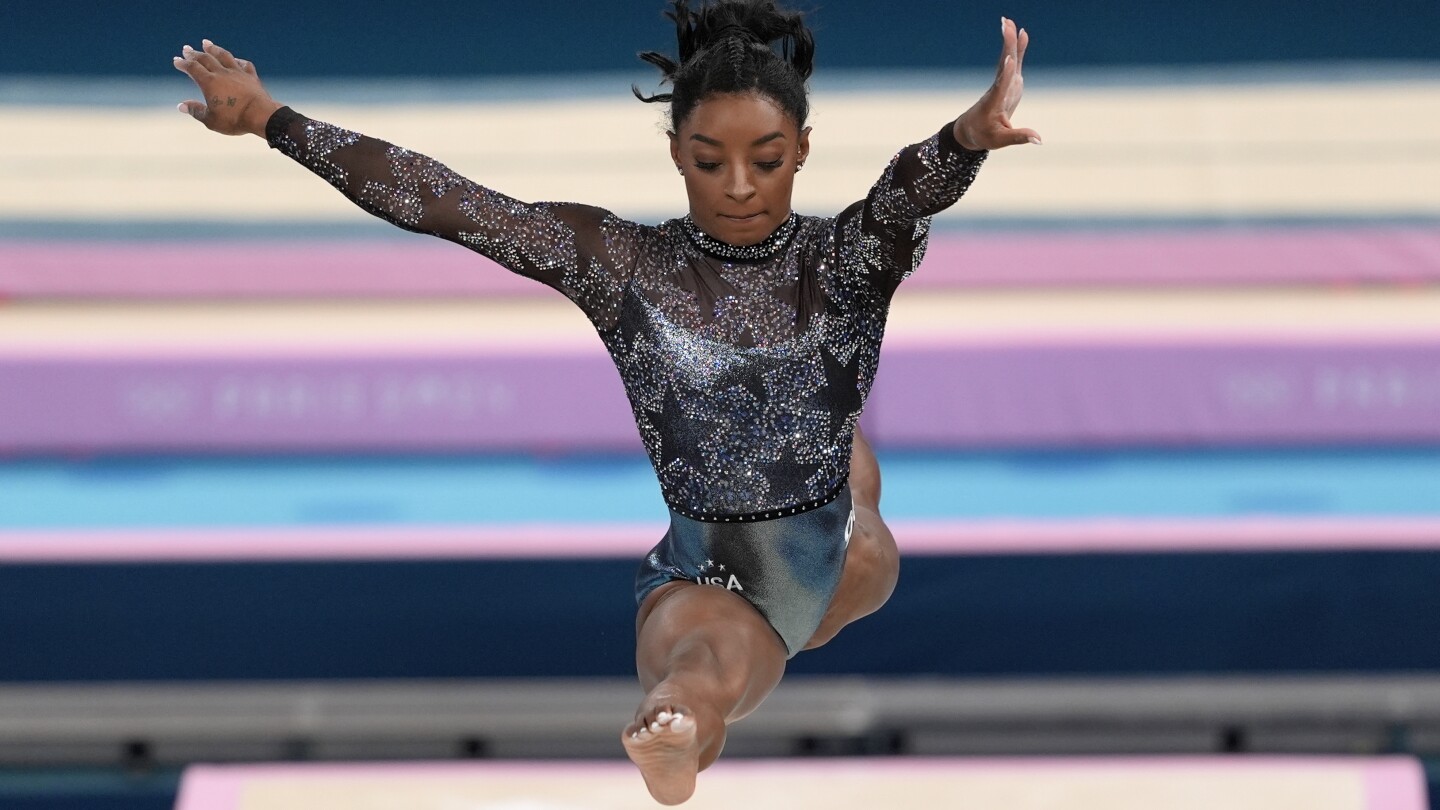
567	246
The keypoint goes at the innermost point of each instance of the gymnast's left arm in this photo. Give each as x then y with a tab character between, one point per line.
926	178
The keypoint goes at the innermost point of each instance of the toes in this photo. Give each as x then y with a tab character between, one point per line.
655	720
664	721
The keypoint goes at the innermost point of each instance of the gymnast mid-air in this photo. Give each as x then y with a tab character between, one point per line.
747	337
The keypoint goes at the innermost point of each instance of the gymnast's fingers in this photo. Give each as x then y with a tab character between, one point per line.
221	55
203	59
189	65
1007	81
1005	35
1015	137
194	109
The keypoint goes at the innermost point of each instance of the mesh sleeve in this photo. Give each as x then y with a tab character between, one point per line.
891	226
583	251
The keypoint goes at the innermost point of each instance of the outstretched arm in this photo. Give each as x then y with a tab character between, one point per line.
928	177
580	250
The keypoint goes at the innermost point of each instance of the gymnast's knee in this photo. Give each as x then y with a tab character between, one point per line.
873	546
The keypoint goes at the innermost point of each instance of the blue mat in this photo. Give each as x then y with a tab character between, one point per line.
278	491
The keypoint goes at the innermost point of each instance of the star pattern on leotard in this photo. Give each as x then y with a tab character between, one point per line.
320	141
683	429
746	378
727	441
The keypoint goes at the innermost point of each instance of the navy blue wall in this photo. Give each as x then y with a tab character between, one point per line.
1081	614
440	38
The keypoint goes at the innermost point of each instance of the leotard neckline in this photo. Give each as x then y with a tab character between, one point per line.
758	252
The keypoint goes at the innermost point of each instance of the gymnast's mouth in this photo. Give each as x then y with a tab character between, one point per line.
744	218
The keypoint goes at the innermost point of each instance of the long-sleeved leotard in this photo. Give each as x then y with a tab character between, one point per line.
746	368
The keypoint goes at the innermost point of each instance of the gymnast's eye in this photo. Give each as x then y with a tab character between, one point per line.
706	167
772	165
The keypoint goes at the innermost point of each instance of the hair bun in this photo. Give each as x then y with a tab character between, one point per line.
748	30
732	29
758	21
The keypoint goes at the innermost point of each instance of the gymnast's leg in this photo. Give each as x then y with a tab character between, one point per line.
872	562
706	658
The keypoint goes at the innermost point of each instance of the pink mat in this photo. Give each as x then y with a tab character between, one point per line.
1380	783
418	268
629	541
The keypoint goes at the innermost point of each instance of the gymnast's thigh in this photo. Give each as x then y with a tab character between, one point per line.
872	567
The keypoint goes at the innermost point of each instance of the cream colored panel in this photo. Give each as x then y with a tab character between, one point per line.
1235	150
537	324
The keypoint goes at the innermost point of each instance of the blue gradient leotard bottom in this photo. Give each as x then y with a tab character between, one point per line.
787	567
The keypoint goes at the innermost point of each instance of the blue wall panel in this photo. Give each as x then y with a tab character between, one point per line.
1082	614
447	38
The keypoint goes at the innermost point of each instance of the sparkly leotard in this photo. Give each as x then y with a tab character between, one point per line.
746	367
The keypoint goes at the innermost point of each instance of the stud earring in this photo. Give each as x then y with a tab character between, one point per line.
679	168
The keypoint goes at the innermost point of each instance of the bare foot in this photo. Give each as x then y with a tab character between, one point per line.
667	752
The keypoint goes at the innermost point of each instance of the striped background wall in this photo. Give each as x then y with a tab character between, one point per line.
1277	268
1162	407
1202	318
1193	322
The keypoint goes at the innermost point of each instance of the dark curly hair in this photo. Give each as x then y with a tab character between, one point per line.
727	47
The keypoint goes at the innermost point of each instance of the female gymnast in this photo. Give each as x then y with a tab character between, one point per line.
747	337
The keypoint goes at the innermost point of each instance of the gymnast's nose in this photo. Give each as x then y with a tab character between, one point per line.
739	185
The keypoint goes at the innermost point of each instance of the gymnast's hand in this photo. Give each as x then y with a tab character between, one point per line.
235	102
987	124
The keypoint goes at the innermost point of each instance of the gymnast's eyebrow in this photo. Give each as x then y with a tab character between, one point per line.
763	139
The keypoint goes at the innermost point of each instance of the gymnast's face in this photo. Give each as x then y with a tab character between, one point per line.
739	154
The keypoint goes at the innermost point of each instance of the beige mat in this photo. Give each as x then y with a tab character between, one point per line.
537	324
1243	149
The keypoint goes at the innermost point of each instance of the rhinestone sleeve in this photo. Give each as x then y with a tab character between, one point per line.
584	252
921	180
